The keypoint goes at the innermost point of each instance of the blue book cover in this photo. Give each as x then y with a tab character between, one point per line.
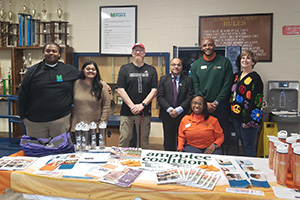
20	30
29	30
33	31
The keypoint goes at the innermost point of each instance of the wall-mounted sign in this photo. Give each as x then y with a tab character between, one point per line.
118	27
291	30
251	32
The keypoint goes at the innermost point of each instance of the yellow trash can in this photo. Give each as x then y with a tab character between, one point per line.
269	128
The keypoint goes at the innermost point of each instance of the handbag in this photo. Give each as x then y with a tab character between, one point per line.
47	146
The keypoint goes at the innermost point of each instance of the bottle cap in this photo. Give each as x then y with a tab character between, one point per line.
78	127
272	138
294	145
93	125
295	134
282	134
297	150
282	148
85	127
291	140
102	125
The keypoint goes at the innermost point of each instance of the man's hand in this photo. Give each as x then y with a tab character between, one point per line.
210	149
173	113
211	107
137	108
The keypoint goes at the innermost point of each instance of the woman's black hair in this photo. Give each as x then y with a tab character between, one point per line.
205	109
96	84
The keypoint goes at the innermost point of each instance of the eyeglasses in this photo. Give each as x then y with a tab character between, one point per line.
138	50
174	64
197	103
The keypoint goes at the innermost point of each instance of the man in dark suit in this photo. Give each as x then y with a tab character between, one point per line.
174	94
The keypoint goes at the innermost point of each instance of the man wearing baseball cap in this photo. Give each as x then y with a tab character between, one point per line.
137	86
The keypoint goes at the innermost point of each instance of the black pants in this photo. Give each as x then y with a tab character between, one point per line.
170	127
222	113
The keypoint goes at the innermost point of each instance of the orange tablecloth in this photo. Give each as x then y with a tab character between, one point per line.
25	182
5	175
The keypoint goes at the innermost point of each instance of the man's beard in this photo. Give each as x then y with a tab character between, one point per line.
139	59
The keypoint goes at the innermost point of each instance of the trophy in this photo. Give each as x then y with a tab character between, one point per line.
23	69
10	13
44	11
59	11
1	11
33	11
24	8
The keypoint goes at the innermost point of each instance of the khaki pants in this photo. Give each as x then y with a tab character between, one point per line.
126	130
48	129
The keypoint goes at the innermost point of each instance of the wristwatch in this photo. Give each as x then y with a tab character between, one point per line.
216	102
215	145
144	105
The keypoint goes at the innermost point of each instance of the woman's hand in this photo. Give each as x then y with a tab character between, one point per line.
210	149
180	150
245	126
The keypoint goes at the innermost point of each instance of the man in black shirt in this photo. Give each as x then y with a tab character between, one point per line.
46	95
137	86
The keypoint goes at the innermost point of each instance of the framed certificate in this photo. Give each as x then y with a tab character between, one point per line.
118	29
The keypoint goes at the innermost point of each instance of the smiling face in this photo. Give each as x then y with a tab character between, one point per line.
51	54
197	105
208	47
176	66
247	62
90	71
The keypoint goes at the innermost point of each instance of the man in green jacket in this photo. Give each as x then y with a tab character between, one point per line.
212	78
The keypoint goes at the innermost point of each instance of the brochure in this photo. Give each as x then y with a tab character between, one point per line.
168	176
16	163
125	153
120	176
224	161
258	179
52	164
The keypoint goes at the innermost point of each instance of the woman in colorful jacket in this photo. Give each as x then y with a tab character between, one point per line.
246	103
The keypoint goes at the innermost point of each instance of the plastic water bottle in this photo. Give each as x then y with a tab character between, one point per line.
93	127
102	135
282	100
281	164
78	136
85	139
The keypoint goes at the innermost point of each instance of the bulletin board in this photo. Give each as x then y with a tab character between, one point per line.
250	31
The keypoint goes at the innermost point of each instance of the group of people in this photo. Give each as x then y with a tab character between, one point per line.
195	111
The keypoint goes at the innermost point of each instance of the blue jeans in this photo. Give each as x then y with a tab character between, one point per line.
189	148
247	137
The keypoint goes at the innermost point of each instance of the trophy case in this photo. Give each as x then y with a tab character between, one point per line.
52	31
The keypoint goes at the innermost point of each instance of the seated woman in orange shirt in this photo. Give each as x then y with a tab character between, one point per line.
199	132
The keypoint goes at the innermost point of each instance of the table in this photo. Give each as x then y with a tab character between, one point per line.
144	187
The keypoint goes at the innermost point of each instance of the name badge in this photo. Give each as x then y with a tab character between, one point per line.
204	67
188	125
